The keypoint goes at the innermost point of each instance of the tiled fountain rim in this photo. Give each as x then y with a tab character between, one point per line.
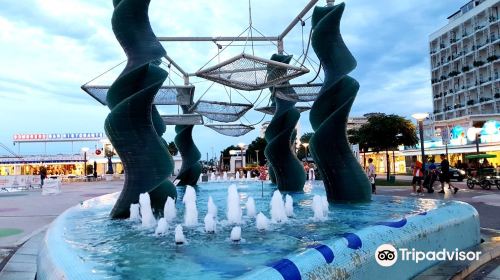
338	257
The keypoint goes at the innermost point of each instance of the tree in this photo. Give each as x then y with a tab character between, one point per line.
384	133
358	136
259	144
226	156
172	148
109	152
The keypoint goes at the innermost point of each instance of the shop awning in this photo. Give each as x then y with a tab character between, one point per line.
453	150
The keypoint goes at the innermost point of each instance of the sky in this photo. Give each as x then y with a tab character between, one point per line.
49	48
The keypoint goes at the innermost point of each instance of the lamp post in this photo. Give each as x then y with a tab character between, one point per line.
257	155
305	146
420	117
241	145
85	150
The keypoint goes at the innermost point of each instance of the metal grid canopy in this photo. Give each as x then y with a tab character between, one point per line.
233	130
271	109
298	92
167	95
248	72
185	119
221	111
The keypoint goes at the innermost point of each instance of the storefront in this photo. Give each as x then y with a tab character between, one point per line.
397	163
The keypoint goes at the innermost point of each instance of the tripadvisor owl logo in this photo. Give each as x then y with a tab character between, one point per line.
386	255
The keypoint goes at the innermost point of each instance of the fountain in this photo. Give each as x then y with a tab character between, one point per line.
233	205
218	179
191	211
169	211
237	175
134	212
147	218
262	222
85	242
289	205
209	223
250	207
212	208
179	235
224	176
236	234
162	227
278	212
318	209
249	175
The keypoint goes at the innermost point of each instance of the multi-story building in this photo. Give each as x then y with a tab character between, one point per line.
464	63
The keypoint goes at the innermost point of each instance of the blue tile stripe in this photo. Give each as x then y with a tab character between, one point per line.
353	241
326	252
422	213
287	269
397	224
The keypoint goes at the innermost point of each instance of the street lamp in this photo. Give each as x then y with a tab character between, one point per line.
305	146
474	133
257	154
241	145
420	117
85	150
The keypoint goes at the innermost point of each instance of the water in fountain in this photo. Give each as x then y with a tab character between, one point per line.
317	207
212	176
191	212
209	223
325	204
289	205
211	208
237	175
179	235
249	175
169	211
236	234
162	227
147	217
134	212
224	176
233	205
262	222
251	207
278	213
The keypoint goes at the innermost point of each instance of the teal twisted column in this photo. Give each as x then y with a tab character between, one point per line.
134	125
285	169
191	166
343	176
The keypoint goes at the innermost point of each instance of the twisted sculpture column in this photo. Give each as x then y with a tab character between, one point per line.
284	168
191	166
134	125
342	174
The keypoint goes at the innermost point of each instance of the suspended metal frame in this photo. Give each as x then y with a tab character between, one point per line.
221	111
298	92
184	119
271	109
167	95
233	130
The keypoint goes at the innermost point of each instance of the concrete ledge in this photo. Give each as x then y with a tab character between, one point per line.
22	265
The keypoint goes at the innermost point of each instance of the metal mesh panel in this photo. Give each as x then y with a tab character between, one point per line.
271	109
221	111
167	95
185	119
247	72
233	130
299	92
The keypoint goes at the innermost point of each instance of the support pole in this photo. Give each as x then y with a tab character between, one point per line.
297	19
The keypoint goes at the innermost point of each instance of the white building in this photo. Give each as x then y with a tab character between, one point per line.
464	63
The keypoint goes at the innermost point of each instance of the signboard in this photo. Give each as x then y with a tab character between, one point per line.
57	137
445	135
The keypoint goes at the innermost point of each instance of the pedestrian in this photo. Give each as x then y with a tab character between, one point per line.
431	175
418	175
370	172
444	176
43	174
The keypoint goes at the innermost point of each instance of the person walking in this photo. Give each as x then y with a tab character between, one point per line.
445	174
43	174
431	175
418	175
370	172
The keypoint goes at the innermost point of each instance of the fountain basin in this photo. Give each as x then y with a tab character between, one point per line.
83	243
